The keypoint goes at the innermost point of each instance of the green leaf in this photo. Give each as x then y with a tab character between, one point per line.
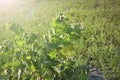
20	43
53	54
28	57
32	67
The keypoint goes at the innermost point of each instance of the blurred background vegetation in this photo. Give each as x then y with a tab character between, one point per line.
36	15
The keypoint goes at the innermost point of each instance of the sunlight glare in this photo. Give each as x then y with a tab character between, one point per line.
7	3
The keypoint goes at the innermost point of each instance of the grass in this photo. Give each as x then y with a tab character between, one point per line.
99	39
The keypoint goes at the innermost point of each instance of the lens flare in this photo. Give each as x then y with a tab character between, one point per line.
7	3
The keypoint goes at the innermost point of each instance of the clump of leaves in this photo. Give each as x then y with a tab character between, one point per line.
59	50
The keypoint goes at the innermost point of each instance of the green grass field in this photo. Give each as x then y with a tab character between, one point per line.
36	45
36	15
